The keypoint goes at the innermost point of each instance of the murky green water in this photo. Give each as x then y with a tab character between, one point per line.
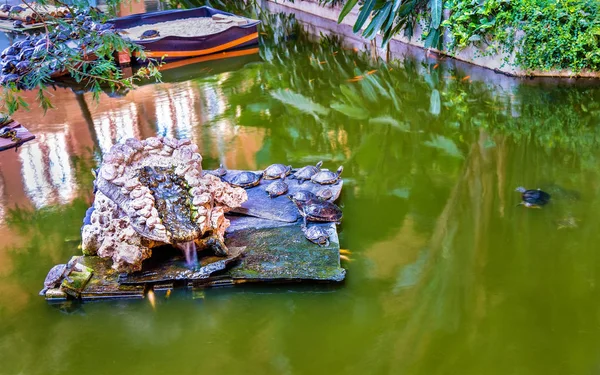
447	275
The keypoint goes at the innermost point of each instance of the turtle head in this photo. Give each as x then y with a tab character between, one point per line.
319	164
340	170
521	189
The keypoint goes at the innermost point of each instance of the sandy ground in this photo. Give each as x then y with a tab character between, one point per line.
187	27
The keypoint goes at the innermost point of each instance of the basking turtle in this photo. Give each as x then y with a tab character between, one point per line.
278	187
5	119
9	133
18	24
5	8
275	171
304	196
23	67
219	172
148	34
245	179
316	234
327	177
8	78
324	194
12	50
305	173
56	275
318	211
16	9
9	66
533	198
25	54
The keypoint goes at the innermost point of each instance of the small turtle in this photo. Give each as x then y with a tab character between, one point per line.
56	276
327	177
278	187
18	24
305	173
245	179
8	133
25	54
318	210
324	194
304	196
275	171
533	198
316	234
8	78
5	8
23	67
219	172
16	9
29	20
5	119
148	34
12	50
9	66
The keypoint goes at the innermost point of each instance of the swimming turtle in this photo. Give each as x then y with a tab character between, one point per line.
318	210
305	173
275	171
325	177
324	194
316	234
150	34
278	187
245	179
533	198
18	24
219	172
5	8
56	275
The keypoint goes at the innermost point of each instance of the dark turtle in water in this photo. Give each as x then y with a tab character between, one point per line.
305	173
275	171
533	198
16	9
56	275
316	234
324	194
18	24
219	172
278	187
148	34
245	179
327	177
5	8
318	210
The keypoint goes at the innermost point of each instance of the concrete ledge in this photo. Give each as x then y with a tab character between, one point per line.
313	15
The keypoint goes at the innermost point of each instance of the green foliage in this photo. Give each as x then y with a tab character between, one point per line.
542	35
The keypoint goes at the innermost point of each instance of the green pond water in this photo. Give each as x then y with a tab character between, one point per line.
447	275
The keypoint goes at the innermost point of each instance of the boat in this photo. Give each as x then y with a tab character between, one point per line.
178	47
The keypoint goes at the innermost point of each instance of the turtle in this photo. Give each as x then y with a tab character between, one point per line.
305	173
9	66
219	172
29	20
245	179
5	8
18	24
16	9
304	196
56	275
274	171
23	67
148	34
324	194
11	50
8	133
318	211
325	177
5	119
278	187
25	54
316	234
533	198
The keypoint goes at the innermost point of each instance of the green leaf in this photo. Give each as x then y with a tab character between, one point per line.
377	21
435	103
388	120
365	12
346	9
436	13
445	144
352	112
300	102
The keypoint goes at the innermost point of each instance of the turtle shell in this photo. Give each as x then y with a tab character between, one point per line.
325	193
275	171
9	66
319	210
305	173
55	275
277	188
5	7
8	78
23	67
4	119
245	179
219	172
25	54
16	9
18	24
12	50
535	197
304	196
150	34
317	234
327	177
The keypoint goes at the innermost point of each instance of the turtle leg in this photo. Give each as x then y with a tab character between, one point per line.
69	280
43	291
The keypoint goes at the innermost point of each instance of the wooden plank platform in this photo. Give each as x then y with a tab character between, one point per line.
22	133
7	25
